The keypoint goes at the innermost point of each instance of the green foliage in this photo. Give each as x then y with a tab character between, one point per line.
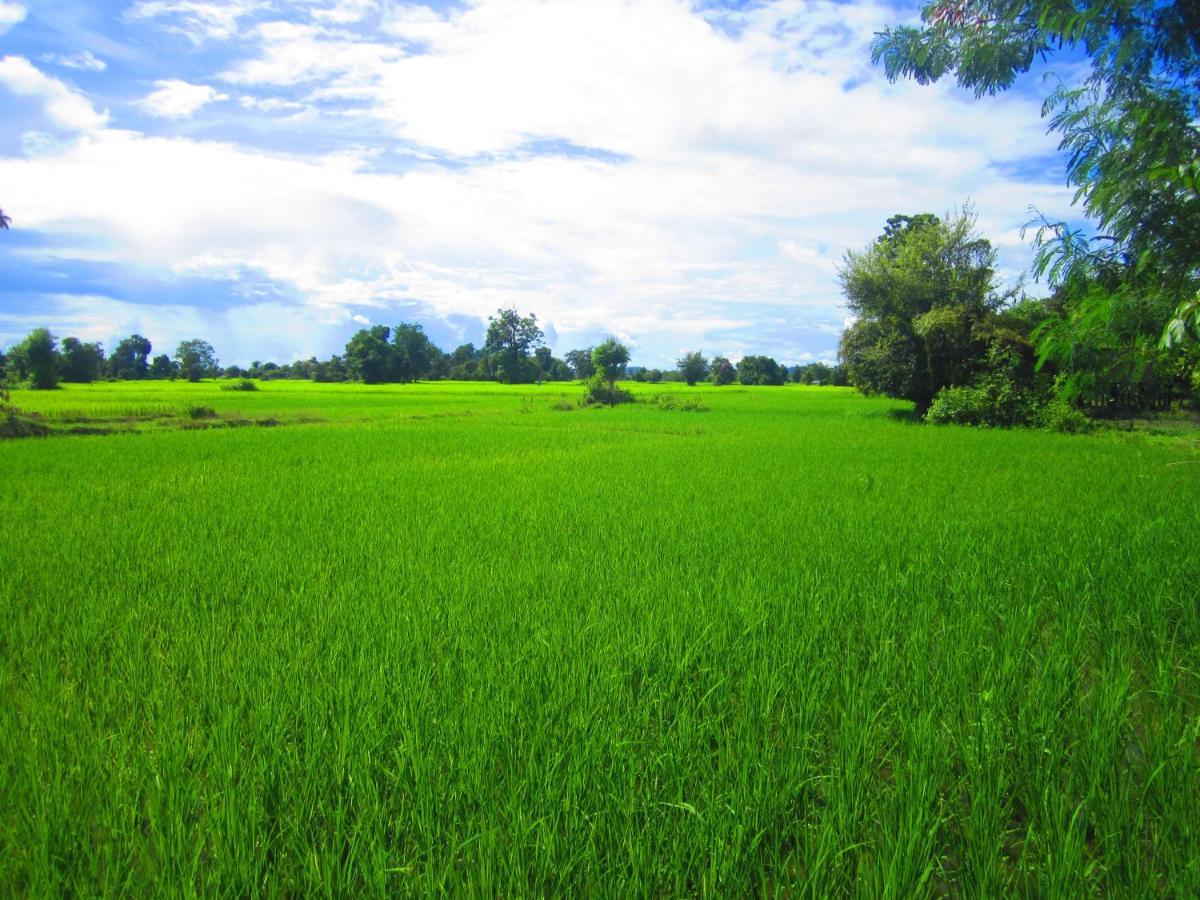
36	360
598	390
195	358
511	338
609	360
722	372
580	362
1060	416
919	294
382	355
80	363
369	355
242	384
200	412
693	367
1002	395
1105	348
760	370
129	361
1133	151
162	367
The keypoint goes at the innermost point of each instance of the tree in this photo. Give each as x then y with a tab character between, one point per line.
81	363
129	360
1128	130
412	353
5	221
196	359
162	367
918	292
511	338
580	362
609	360
369	355
692	366
760	370
36	358
722	371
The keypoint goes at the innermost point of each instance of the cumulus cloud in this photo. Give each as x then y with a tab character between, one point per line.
613	166
175	99
63	105
11	14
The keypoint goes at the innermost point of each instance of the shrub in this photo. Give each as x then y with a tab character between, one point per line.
201	412
598	391
992	401
1059	415
244	384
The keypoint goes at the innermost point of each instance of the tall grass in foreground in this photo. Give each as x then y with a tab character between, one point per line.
790	645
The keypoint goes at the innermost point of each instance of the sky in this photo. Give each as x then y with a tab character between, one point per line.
273	175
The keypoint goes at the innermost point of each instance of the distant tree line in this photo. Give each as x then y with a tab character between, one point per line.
514	352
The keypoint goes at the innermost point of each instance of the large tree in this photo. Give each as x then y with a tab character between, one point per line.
37	359
412	353
1133	153
917	292
760	370
130	360
196	359
609	360
722	371
511	338
369	354
580	362
81	363
692	366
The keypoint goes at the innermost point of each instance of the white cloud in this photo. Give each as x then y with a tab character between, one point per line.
198	20
737	167
64	106
345	12
175	99
83	60
11	15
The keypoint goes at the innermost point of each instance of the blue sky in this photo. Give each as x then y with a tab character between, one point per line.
274	175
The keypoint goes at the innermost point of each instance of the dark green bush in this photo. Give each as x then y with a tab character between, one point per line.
244	384
598	391
1059	415
201	412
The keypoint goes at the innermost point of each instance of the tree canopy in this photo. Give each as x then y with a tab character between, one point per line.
1133	151
917	293
512	337
196	359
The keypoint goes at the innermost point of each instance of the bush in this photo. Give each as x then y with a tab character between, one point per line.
991	402
244	384
681	404
1059	415
201	412
600	392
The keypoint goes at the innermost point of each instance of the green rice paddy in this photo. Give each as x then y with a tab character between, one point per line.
449	639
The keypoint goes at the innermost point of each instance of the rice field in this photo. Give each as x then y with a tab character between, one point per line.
450	639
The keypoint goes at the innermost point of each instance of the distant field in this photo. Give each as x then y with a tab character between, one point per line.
447	638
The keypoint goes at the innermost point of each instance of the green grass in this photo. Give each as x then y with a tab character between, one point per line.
451	640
